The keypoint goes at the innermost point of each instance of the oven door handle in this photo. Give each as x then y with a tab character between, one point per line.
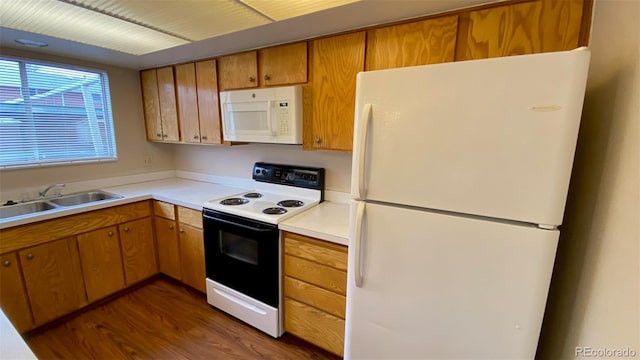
239	225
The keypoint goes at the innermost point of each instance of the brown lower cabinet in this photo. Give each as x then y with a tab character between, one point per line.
180	244
53	277
54	267
315	288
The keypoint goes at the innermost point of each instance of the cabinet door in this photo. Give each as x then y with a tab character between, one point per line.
238	71
192	257
336	62
285	64
168	109
138	250
101	262
13	296
525	28
168	249
208	102
187	102
416	43
53	277
151	104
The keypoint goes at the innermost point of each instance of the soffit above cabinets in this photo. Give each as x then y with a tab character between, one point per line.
140	27
150	33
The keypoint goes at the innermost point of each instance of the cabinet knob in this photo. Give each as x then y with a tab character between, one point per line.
317	140
181	231
126	229
204	138
110	233
170	227
6	263
267	77
29	256
159	135
252	79
195	136
165	135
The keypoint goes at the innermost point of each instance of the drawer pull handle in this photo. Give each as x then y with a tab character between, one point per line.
181	231
252	79
110	233
6	263
267	77
170	227
126	229
29	256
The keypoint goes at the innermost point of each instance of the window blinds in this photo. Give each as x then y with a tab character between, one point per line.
53	114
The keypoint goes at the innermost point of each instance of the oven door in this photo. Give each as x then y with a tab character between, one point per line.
242	254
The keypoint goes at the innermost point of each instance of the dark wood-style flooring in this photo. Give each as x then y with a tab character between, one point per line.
163	320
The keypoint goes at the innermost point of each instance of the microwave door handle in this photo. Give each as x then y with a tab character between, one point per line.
273	130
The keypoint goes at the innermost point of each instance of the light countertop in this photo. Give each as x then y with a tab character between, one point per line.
12	346
326	221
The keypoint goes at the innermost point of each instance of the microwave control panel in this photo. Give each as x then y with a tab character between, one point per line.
283	117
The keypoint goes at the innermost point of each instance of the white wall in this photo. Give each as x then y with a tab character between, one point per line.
594	299
237	161
130	137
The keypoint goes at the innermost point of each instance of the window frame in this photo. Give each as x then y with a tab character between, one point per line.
109	123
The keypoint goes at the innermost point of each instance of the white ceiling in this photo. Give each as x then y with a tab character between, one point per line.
190	26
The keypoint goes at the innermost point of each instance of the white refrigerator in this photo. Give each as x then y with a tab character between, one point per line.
459	182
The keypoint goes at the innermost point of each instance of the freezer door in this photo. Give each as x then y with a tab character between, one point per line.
436	286
493	137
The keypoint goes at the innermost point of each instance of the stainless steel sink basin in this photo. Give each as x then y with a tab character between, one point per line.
83	198
25	208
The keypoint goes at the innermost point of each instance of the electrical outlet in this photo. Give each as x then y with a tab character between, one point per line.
146	160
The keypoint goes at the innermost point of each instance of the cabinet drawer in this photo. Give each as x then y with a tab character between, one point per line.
321	275
164	210
315	296
190	217
315	326
319	251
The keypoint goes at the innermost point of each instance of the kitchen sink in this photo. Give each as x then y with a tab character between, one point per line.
45	204
83	198
25	208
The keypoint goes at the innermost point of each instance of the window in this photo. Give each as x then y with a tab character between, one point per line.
53	114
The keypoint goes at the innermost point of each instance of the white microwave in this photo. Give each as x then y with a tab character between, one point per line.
269	115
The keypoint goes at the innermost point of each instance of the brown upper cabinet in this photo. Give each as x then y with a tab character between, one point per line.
284	64
159	102
335	63
416	43
198	102
523	28
238	71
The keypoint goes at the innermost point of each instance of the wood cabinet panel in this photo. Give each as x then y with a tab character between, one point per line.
517	29
208	102
190	217
165	210
315	326
325	253
192	257
138	250
101	262
13	296
317	274
317	297
168	106
238	71
411	44
187	99
335	63
53	278
168	247
151	104
284	64
20	237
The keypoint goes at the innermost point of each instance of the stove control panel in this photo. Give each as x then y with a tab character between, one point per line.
300	176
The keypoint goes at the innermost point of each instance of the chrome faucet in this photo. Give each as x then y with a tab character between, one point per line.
43	193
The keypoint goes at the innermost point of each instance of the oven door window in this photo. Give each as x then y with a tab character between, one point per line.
238	247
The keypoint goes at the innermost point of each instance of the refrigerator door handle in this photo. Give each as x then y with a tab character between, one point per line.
363	129
359	248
